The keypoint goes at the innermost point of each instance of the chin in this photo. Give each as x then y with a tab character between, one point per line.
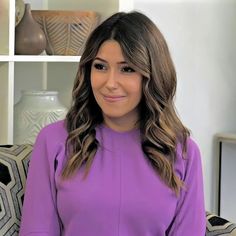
113	115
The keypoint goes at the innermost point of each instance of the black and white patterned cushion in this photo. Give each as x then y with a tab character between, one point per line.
14	161
217	226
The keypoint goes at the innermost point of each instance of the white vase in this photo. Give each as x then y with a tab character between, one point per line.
35	110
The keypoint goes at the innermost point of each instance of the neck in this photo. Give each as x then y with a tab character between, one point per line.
119	124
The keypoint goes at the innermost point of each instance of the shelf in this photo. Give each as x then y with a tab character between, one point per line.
27	72
39	58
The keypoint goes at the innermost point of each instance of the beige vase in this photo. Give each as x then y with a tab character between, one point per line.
35	110
66	31
29	37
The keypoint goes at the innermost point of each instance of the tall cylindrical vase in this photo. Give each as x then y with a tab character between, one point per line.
35	110
29	37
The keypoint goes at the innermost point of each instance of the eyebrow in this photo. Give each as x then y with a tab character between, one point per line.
100	59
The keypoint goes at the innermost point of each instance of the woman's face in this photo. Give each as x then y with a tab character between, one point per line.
117	88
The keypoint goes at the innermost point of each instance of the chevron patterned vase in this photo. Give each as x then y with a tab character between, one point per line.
66	31
35	110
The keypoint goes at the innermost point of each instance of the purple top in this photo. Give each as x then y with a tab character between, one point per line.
121	196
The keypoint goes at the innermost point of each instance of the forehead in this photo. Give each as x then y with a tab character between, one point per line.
110	50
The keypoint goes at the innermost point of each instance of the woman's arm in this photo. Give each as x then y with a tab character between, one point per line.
39	214
190	217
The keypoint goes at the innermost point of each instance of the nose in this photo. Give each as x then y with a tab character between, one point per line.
112	82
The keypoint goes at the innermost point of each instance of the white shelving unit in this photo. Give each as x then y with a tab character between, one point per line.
18	72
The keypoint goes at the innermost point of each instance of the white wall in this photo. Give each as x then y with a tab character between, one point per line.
201	35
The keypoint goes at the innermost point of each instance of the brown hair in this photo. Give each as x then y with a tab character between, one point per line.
146	51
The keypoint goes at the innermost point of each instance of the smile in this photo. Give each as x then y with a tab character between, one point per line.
113	98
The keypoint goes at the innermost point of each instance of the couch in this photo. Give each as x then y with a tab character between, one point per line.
14	162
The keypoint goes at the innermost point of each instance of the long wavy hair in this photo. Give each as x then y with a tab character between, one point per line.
146	51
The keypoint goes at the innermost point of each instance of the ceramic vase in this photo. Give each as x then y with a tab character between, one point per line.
29	37
66	31
35	110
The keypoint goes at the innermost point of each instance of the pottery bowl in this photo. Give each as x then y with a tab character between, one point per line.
66	31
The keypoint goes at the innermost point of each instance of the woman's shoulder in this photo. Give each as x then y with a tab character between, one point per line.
191	149
51	141
55	132
188	157
58	126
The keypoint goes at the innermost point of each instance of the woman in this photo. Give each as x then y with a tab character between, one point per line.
121	163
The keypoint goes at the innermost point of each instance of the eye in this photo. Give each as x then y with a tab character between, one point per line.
99	66
127	69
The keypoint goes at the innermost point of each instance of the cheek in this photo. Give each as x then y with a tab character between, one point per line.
135	87
97	80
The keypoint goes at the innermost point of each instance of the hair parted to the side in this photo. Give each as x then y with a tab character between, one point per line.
145	50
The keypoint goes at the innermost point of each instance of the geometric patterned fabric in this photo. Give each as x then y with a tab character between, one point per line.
14	162
219	226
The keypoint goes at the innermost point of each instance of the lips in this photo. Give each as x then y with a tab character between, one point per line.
113	98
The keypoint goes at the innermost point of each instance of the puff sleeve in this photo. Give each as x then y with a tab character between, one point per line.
190	216
39	214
